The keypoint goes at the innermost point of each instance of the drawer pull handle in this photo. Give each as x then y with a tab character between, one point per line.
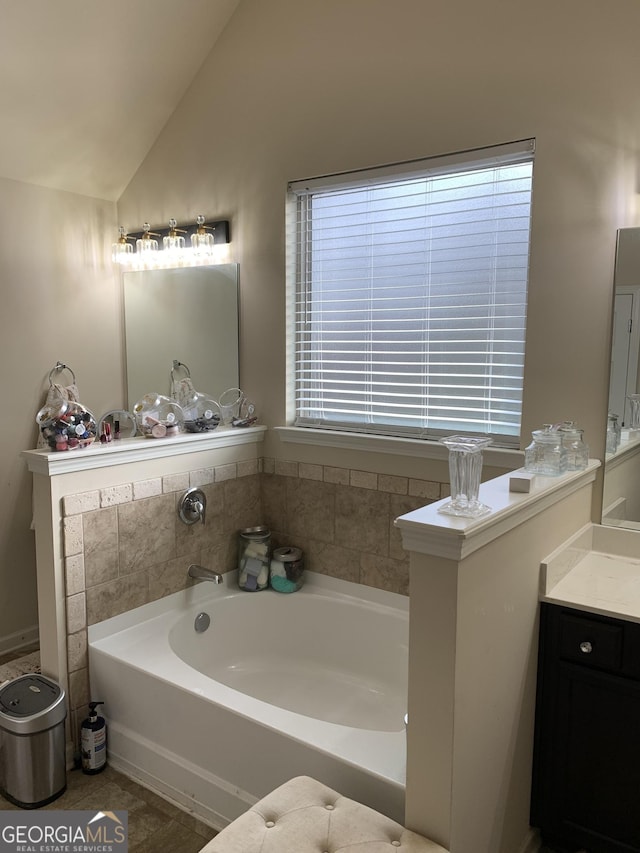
586	648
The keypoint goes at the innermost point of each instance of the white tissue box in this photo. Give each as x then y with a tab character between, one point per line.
522	482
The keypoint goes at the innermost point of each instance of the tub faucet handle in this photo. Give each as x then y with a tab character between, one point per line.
200	509
192	506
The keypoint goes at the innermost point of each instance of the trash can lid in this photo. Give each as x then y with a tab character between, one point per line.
31	703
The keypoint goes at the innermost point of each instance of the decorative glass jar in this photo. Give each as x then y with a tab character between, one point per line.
287	569
465	468
576	450
614	433
230	402
158	416
254	551
546	453
67	425
201	414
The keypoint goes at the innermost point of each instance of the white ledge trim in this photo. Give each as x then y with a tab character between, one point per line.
496	457
629	447
428	531
137	450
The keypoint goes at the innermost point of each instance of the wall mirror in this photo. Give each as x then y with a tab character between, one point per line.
621	489
188	314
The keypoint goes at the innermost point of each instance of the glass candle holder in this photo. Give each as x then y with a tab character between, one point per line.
465	468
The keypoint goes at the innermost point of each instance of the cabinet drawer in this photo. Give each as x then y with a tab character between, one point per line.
590	643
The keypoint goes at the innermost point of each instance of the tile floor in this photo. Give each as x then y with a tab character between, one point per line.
6	657
155	826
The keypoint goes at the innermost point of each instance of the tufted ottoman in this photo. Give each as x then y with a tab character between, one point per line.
304	816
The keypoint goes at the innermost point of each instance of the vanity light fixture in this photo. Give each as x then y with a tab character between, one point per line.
202	239
122	249
207	245
174	241
146	244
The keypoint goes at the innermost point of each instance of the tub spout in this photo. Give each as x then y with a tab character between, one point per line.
202	574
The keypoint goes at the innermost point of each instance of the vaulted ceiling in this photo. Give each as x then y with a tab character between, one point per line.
86	86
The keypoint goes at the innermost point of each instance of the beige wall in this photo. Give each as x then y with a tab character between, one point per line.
296	89
60	301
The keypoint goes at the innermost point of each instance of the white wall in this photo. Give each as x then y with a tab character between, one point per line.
299	89
60	301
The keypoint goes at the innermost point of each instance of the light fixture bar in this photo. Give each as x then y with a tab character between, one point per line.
170	246
219	229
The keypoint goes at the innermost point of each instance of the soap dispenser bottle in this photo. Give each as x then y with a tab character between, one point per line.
93	741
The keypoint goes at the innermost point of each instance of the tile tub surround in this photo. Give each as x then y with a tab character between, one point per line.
125	546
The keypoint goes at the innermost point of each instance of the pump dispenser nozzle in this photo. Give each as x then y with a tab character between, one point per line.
92	710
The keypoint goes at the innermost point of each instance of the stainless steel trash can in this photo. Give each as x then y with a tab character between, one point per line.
32	742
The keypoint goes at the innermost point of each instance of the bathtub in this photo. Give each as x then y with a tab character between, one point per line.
313	683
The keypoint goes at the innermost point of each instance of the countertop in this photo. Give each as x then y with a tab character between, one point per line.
598	571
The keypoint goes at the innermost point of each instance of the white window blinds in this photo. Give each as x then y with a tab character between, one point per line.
411	286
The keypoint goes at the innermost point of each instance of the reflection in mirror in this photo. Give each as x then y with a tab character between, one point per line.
187	314
621	489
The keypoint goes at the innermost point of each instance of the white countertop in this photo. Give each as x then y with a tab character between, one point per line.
598	570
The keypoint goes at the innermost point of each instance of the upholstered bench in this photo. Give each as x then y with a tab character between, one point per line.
305	816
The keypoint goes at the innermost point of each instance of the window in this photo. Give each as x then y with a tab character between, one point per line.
410	295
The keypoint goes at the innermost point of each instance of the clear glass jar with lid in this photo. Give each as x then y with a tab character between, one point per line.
254	552
287	569
614	433
546	453
574	444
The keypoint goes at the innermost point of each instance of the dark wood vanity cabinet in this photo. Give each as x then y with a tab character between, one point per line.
586	770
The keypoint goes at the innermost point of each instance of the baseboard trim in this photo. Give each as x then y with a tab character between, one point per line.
19	640
205	795
532	842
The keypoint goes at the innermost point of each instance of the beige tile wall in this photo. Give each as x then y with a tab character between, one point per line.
343	519
125	545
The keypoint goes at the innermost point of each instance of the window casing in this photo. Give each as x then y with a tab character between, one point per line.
410	295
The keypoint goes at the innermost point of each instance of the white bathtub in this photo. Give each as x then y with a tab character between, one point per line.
314	683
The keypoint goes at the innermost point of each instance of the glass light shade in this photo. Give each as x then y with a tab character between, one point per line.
173	244
122	250
202	241
174	241
146	244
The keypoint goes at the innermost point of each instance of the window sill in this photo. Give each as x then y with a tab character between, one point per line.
493	456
